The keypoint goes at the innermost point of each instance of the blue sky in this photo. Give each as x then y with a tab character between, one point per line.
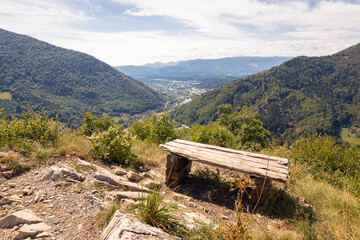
122	32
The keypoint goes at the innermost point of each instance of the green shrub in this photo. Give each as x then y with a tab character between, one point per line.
238	129
338	164
112	145
246	126
93	124
163	128
157	128
141	128
213	134
32	126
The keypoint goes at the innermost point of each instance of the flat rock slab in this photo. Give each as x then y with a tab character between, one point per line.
20	217
32	230
124	226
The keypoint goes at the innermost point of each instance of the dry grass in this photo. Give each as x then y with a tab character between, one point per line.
73	143
148	152
11	163
104	215
336	212
279	235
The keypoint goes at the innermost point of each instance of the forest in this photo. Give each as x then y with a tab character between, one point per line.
300	96
64	82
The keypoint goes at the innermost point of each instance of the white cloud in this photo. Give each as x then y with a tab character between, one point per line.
211	28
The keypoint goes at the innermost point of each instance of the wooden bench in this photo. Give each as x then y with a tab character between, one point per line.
261	168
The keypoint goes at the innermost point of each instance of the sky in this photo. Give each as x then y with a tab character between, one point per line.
135	32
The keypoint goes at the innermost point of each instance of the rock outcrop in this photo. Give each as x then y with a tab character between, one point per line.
31	225
125	226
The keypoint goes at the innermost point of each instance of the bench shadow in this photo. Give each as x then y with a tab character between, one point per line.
208	191
279	204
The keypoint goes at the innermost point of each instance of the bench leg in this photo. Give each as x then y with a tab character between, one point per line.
177	168
259	185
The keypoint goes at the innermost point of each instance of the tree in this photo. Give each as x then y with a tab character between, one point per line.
246	126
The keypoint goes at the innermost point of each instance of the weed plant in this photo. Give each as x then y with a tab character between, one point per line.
335	212
154	211
74	143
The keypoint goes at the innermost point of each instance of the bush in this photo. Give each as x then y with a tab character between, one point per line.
163	128
32	126
213	134
338	164
238	129
246	127
112	145
157	128
141	128
93	124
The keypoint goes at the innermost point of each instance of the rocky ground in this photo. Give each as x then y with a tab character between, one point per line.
61	200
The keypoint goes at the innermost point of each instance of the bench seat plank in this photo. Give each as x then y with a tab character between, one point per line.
246	160
282	161
257	165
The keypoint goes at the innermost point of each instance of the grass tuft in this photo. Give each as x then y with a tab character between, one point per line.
154	211
105	214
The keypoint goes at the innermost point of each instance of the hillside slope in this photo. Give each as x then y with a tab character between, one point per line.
65	82
299	96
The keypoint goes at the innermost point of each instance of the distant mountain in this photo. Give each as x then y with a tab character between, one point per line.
65	82
301	95
232	66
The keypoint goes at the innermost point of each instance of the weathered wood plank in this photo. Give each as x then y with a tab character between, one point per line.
223	161
282	161
255	162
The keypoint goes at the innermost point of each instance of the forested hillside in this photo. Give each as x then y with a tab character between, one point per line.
65	82
301	95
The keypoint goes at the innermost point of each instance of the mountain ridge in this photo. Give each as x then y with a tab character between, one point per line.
302	95
233	66
67	83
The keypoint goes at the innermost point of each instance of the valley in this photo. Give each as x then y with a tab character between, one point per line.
80	155
182	90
